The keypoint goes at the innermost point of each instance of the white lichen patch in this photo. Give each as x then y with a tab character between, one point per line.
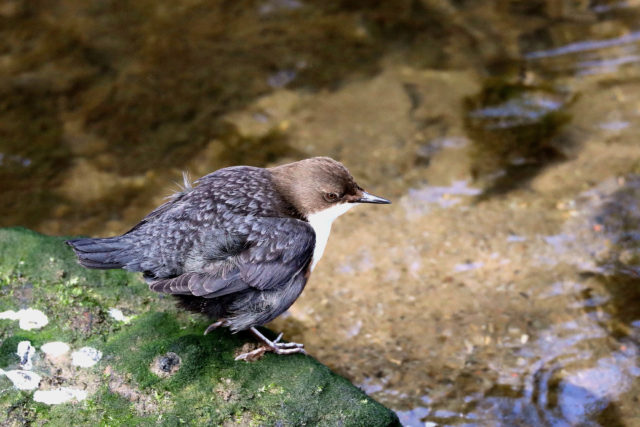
118	315
55	348
86	357
59	395
22	380
26	352
29	318
9	314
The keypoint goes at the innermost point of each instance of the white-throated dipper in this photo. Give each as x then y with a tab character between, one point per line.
239	246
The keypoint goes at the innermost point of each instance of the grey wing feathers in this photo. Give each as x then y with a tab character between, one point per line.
199	284
284	248
276	250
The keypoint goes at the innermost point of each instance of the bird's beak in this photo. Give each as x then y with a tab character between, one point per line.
370	198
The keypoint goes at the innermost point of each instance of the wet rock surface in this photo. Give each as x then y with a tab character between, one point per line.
158	368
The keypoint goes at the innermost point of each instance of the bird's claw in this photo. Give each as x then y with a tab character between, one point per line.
287	348
277	343
274	346
214	325
279	348
251	355
285	345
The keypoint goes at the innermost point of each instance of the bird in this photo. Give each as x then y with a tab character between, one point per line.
239	244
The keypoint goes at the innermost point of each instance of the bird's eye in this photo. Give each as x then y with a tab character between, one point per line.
331	197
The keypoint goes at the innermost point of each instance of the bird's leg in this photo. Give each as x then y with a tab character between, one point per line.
276	346
215	325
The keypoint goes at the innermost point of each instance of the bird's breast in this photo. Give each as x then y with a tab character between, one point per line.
321	222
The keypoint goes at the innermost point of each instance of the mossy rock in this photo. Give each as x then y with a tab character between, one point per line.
203	384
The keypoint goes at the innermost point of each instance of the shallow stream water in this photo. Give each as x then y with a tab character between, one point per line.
502	286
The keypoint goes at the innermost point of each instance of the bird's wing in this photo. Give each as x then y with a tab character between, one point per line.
273	251
170	240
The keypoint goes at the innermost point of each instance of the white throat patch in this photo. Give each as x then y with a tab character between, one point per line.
321	222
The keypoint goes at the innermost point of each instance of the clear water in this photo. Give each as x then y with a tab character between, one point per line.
500	288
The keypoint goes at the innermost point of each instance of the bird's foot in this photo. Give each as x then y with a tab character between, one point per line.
275	346
252	355
283	345
215	325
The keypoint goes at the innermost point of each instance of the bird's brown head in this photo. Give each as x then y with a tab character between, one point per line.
319	183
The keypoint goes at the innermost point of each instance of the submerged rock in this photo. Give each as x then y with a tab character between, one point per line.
159	368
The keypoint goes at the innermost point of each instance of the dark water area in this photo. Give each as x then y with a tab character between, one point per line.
502	287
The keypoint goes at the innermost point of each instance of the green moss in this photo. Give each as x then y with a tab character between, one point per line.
26	253
103	409
296	389
41	272
210	388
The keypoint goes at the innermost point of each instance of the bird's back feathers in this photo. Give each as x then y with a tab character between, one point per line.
232	234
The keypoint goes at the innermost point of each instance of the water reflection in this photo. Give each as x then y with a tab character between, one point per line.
417	201
575	370
502	289
585	46
560	379
527	108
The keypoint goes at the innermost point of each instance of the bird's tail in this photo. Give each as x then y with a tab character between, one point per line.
105	253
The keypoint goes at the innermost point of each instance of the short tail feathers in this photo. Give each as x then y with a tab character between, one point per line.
111	252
